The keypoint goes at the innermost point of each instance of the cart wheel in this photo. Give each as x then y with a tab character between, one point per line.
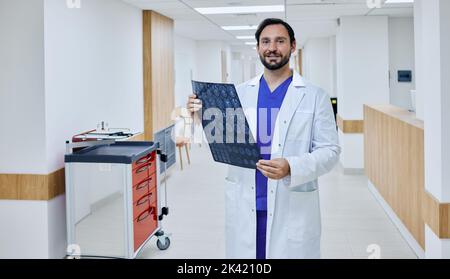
162	246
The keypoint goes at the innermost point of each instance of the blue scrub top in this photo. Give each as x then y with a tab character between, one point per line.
269	104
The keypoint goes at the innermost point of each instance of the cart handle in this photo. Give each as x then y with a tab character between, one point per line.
144	183
146	196
149	211
143	168
146	159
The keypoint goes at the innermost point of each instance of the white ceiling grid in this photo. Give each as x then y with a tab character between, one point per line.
309	18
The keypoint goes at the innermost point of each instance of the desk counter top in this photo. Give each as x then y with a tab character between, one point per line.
400	114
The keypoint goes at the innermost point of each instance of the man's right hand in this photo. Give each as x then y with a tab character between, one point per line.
194	104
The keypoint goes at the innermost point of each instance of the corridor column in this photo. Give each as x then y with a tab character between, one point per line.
362	51
432	19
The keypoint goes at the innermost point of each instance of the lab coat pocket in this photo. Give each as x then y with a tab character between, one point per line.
230	191
304	216
301	124
231	216
231	200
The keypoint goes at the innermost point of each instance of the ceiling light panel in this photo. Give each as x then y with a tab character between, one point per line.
240	9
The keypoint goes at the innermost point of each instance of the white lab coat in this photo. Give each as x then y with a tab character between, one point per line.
304	134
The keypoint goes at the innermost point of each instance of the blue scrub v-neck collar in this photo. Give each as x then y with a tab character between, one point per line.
276	90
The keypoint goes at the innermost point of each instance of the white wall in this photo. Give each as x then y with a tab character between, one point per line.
362	76
419	58
185	68
63	71
252	67
227	49
363	64
33	229
401	57
435	88
237	68
24	232
333	59
93	70
209	61
198	60
352	156
319	63
433	55
22	107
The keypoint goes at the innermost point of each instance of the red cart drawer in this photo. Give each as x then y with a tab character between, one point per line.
142	203
141	189
143	226
149	158
141	173
152	181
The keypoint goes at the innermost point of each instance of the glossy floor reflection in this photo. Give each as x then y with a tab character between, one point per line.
352	220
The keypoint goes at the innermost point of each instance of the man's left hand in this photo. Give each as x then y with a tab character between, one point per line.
274	169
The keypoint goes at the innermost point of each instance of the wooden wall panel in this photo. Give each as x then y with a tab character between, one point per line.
35	186
350	126
159	92
32	186
300	61
138	137
394	163
436	215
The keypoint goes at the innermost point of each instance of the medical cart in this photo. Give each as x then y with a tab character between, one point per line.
113	198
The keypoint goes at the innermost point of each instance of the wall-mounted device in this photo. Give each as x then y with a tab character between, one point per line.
404	76
167	145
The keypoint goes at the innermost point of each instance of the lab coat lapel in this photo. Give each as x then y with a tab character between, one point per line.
249	102
292	100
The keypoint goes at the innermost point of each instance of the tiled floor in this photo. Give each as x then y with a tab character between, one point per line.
351	217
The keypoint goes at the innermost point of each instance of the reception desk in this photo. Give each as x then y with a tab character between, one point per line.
394	165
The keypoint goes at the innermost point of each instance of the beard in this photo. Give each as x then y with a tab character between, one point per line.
274	66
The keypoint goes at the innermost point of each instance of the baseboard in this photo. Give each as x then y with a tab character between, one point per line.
412	242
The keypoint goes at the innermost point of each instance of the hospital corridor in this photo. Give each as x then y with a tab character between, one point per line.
352	219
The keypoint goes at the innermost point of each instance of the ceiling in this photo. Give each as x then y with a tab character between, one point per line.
309	18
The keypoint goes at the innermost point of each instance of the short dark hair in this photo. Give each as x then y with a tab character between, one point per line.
274	21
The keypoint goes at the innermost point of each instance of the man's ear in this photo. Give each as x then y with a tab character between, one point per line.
293	47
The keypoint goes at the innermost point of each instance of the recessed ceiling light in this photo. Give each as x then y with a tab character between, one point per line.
245	37
241	27
398	1
240	9
250	43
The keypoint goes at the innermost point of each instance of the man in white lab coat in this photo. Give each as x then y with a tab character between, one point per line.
274	212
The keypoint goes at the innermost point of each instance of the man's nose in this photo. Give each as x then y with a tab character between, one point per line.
272	46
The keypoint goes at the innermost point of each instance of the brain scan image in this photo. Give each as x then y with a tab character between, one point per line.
235	103
222	96
249	152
